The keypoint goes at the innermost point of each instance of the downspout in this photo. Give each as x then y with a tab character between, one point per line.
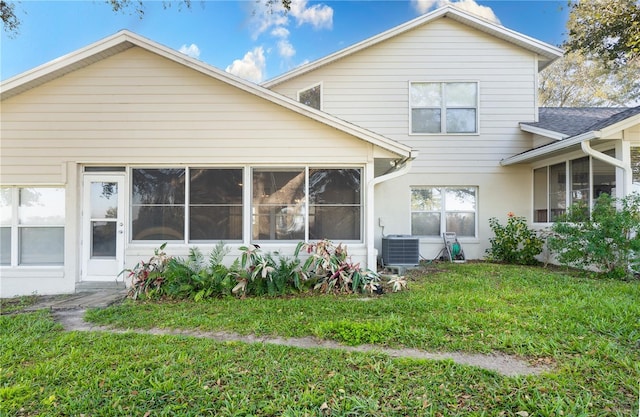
405	167
586	148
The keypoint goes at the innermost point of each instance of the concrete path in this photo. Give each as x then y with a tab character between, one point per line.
69	311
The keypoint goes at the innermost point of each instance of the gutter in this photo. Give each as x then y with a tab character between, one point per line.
547	149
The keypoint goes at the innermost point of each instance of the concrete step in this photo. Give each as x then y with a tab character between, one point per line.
92	286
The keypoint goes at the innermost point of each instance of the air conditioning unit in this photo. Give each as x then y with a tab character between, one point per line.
400	250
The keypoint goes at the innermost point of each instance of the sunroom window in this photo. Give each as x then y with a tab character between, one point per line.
32	226
435	210
444	107
635	168
588	179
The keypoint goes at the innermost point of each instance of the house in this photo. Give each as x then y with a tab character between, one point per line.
432	126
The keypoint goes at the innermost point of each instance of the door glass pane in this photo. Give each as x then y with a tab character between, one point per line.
41	245
104	200
103	239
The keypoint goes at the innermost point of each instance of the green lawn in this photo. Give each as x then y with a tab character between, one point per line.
588	330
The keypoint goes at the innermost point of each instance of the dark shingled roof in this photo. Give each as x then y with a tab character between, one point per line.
572	121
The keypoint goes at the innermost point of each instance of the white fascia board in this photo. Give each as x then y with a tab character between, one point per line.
543	132
621	125
125	39
548	149
550	52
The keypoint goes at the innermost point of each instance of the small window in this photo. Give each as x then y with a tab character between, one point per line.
435	210
444	107
312	97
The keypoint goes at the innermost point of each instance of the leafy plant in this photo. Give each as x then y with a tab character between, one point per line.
514	243
148	277
335	273
608	240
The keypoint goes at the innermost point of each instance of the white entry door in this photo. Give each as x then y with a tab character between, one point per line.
103	225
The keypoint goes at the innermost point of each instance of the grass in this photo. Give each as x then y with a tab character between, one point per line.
587	329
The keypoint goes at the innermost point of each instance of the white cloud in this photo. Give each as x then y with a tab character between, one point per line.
192	50
251	67
285	49
320	16
422	6
280	32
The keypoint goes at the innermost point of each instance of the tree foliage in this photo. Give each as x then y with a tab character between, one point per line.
608	29
577	81
11	22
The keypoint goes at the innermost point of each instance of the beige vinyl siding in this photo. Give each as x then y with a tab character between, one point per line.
370	88
136	108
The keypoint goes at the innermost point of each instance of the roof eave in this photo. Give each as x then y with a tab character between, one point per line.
551	134
549	149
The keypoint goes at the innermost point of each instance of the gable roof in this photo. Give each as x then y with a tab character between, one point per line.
571	126
125	39
547	53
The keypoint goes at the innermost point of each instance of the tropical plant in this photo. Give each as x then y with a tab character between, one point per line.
333	271
608	240
147	277
514	243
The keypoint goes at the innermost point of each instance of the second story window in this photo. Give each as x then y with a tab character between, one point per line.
444	107
311	96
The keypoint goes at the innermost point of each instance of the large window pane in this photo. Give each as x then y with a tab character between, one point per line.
158	186
557	190
334	222
5	245
212	222
6	206
461	120
462	224
41	206
334	198
580	181
426	95
604	176
461	94
460	199
278	204
215	204
426	199
635	168
41	245
540	211
158	204
158	223
425	223
426	120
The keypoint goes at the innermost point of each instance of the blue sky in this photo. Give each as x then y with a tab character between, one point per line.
240	37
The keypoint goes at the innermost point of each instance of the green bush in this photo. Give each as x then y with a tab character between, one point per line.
514	243
608	240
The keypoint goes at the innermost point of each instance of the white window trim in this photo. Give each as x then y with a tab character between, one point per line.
309	88
443	119
443	212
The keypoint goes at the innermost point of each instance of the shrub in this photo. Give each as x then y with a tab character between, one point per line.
608	240
147	277
514	243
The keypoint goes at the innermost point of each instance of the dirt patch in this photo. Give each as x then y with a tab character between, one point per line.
73	320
